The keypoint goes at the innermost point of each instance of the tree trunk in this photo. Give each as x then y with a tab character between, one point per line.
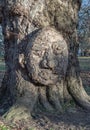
41	46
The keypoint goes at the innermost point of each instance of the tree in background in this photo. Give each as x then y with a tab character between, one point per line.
84	28
41	45
1	44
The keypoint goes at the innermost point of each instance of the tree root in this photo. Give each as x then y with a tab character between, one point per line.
78	93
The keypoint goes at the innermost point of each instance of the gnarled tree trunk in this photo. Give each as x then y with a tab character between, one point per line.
41	46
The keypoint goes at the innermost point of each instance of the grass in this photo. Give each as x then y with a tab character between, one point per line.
84	63
3	127
87	88
85	66
2	66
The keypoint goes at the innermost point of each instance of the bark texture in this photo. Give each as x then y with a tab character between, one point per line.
40	40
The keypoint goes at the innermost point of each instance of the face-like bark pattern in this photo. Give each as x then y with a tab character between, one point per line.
47	57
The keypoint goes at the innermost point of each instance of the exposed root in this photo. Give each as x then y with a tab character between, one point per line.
17	113
78	93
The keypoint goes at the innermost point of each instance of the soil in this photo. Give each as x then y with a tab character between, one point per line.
74	118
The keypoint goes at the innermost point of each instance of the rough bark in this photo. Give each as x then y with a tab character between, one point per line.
40	53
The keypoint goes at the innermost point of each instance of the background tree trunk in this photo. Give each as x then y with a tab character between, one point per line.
41	57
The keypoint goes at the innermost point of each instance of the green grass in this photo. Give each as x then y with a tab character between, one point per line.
2	63
3	127
84	63
87	88
2	66
85	66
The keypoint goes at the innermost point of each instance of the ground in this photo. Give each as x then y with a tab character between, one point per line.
74	118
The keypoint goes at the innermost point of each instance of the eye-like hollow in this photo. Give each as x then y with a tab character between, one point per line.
58	47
